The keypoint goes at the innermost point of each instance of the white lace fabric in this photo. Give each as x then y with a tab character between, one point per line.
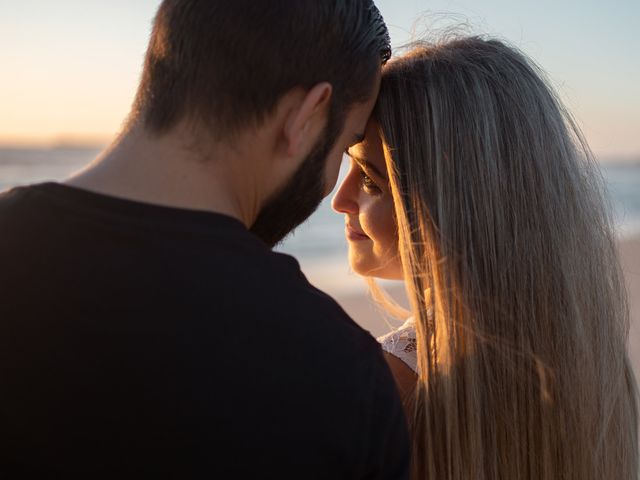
401	343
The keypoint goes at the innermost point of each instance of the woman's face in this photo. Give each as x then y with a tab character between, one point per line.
365	199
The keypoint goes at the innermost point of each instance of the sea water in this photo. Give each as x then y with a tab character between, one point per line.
319	244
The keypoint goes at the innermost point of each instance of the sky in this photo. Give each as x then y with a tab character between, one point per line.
70	67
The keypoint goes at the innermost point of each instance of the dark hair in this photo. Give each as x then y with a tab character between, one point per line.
227	63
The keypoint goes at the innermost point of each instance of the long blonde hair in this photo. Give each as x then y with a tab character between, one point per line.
512	271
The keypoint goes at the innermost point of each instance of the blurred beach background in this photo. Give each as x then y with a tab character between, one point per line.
70	70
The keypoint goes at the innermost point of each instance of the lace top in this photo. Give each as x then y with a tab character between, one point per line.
401	343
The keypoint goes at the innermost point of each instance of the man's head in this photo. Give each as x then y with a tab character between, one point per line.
225	66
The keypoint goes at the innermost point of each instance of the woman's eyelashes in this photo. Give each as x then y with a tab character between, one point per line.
367	183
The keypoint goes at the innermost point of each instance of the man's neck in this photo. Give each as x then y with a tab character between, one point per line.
170	171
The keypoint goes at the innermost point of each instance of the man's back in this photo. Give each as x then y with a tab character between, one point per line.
138	338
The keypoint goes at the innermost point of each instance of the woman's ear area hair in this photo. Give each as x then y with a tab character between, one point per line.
307	116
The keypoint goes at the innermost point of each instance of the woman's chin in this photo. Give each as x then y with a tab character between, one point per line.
358	264
365	267
358	270
370	271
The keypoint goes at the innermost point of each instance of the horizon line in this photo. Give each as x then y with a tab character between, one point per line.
96	143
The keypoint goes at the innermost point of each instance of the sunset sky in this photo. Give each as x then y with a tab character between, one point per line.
70	67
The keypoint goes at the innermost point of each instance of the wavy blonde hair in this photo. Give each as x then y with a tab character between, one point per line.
512	271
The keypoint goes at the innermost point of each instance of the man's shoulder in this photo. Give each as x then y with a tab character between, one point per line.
13	199
18	218
213	265
317	305
285	292
27	206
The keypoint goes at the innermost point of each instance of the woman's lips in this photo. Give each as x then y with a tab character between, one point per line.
353	234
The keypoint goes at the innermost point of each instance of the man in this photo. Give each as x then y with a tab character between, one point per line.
147	328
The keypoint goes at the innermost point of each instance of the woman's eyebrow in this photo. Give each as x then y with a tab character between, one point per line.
357	138
367	166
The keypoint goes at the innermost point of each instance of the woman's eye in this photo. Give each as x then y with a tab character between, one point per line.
368	185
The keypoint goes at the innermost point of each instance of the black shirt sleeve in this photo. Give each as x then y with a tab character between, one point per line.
388	450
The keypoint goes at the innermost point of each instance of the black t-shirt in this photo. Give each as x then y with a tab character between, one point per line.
138	339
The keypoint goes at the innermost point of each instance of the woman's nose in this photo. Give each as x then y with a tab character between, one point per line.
344	201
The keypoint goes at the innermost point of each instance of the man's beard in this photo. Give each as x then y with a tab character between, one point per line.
300	196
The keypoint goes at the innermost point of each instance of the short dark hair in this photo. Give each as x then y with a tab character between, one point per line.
227	63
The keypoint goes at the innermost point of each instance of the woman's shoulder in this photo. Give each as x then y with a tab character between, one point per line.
401	343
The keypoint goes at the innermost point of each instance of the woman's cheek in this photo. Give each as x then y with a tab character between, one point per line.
382	226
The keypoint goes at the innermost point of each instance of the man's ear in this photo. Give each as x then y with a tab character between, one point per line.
306	121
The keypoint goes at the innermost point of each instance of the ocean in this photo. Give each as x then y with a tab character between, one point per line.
319	244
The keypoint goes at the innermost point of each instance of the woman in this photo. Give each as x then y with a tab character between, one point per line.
475	187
